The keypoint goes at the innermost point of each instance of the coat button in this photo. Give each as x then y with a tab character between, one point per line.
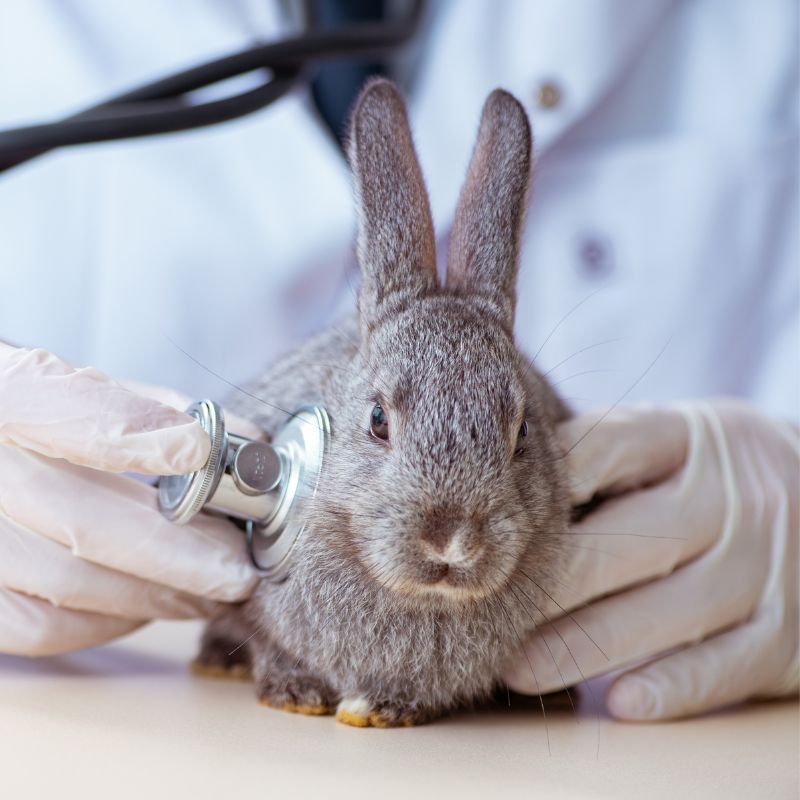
595	256
548	95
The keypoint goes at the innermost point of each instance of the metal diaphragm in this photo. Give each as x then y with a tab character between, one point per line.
263	484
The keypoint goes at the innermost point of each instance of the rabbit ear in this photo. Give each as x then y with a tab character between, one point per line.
483	258
396	245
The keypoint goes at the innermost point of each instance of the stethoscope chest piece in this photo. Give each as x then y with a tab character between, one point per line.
303	443
265	485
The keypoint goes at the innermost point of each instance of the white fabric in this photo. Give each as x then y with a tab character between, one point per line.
672	154
212	240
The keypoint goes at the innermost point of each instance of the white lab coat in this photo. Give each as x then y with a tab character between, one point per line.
660	254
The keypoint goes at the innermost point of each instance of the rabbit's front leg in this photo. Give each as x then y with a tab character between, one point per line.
284	683
224	651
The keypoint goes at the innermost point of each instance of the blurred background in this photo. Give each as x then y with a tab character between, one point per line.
660	256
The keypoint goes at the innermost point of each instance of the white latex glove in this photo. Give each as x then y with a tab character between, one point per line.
85	555
691	566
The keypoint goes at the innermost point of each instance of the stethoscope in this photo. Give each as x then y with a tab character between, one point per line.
166	106
263	485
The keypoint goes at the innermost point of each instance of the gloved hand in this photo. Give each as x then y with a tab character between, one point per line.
85	555
691	565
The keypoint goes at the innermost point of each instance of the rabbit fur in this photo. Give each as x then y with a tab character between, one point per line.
428	555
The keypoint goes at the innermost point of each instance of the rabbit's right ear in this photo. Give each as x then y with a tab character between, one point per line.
483	258
396	245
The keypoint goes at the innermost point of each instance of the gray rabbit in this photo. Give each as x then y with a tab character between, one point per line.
434	534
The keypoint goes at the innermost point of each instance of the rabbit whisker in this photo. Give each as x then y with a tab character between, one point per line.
582	350
514	587
583	372
577	666
623	395
533	671
233	385
567	613
612	533
242	644
565	318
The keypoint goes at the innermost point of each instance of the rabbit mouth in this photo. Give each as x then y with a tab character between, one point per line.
447	575
450	582
453	581
453	571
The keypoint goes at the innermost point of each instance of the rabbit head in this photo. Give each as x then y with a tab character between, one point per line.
443	463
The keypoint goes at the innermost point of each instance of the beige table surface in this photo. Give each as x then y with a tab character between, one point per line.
128	720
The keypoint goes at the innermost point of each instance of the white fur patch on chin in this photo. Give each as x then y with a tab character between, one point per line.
441	590
455	593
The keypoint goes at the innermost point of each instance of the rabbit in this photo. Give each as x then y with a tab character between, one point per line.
435	526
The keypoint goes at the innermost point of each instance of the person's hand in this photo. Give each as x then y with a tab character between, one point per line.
691	565
85	555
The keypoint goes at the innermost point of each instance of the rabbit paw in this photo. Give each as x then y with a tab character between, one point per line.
297	693
360	713
221	657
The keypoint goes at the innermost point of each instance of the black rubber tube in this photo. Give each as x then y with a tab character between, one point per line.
162	107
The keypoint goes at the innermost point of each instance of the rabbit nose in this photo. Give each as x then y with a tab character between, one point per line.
438	534
448	541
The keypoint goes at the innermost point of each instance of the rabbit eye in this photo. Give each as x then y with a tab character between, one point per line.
378	423
523	432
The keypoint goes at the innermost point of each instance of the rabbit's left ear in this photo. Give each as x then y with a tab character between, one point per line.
483	258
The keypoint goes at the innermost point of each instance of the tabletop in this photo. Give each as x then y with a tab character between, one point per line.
130	720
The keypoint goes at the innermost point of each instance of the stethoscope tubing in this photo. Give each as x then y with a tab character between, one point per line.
164	106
